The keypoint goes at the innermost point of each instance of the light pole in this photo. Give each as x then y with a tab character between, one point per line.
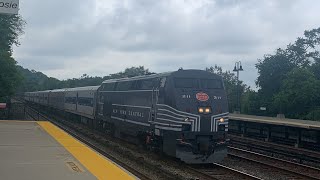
238	68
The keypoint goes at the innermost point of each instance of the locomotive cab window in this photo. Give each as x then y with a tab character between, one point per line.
211	84
186	83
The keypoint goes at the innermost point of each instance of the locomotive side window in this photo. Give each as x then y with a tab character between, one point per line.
186	83
211	84
108	86
145	84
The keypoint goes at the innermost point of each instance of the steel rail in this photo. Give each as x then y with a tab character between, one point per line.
219	171
284	169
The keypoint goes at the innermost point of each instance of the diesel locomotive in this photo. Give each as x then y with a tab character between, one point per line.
183	114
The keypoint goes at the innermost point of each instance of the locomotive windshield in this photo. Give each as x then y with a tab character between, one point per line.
194	83
211	84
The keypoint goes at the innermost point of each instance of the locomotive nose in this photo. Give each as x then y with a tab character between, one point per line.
204	145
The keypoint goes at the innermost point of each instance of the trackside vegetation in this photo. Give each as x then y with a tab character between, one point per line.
11	27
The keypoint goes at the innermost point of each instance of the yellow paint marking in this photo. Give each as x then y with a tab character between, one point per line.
94	162
17	121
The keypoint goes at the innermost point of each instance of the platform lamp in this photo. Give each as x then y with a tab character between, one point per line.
238	68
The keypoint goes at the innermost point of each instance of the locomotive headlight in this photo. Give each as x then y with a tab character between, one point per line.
221	120
204	110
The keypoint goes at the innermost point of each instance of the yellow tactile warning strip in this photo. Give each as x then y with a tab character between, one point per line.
16	121
99	166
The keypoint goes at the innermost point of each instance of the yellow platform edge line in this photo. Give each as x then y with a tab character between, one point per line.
17	121
99	166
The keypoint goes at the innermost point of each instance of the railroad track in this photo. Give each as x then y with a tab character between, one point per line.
289	169
215	171
221	172
298	155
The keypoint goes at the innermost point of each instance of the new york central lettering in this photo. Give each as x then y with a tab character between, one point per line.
135	113
128	112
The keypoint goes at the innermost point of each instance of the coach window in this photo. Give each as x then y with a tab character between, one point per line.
84	101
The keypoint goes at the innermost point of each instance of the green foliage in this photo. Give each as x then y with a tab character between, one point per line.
84	80
9	77
129	72
10	28
251	103
37	81
299	92
272	70
289	79
313	115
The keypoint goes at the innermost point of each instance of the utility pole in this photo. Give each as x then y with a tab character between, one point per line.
238	68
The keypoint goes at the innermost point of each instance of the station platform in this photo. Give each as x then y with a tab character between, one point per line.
40	150
305	124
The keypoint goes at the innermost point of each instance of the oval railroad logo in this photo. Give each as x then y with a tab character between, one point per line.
201	96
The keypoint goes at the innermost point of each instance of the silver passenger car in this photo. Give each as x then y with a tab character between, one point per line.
81	101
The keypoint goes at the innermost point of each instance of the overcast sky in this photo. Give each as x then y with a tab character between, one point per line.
65	39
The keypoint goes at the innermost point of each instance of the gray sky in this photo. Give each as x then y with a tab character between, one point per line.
65	39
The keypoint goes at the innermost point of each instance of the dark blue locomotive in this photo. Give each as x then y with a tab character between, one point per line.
181	113
184	113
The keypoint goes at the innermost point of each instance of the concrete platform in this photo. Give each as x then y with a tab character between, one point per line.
40	150
277	121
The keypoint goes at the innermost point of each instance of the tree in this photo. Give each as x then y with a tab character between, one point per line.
276	70
299	93
272	69
9	77
37	81
131	72
251	103
10	29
